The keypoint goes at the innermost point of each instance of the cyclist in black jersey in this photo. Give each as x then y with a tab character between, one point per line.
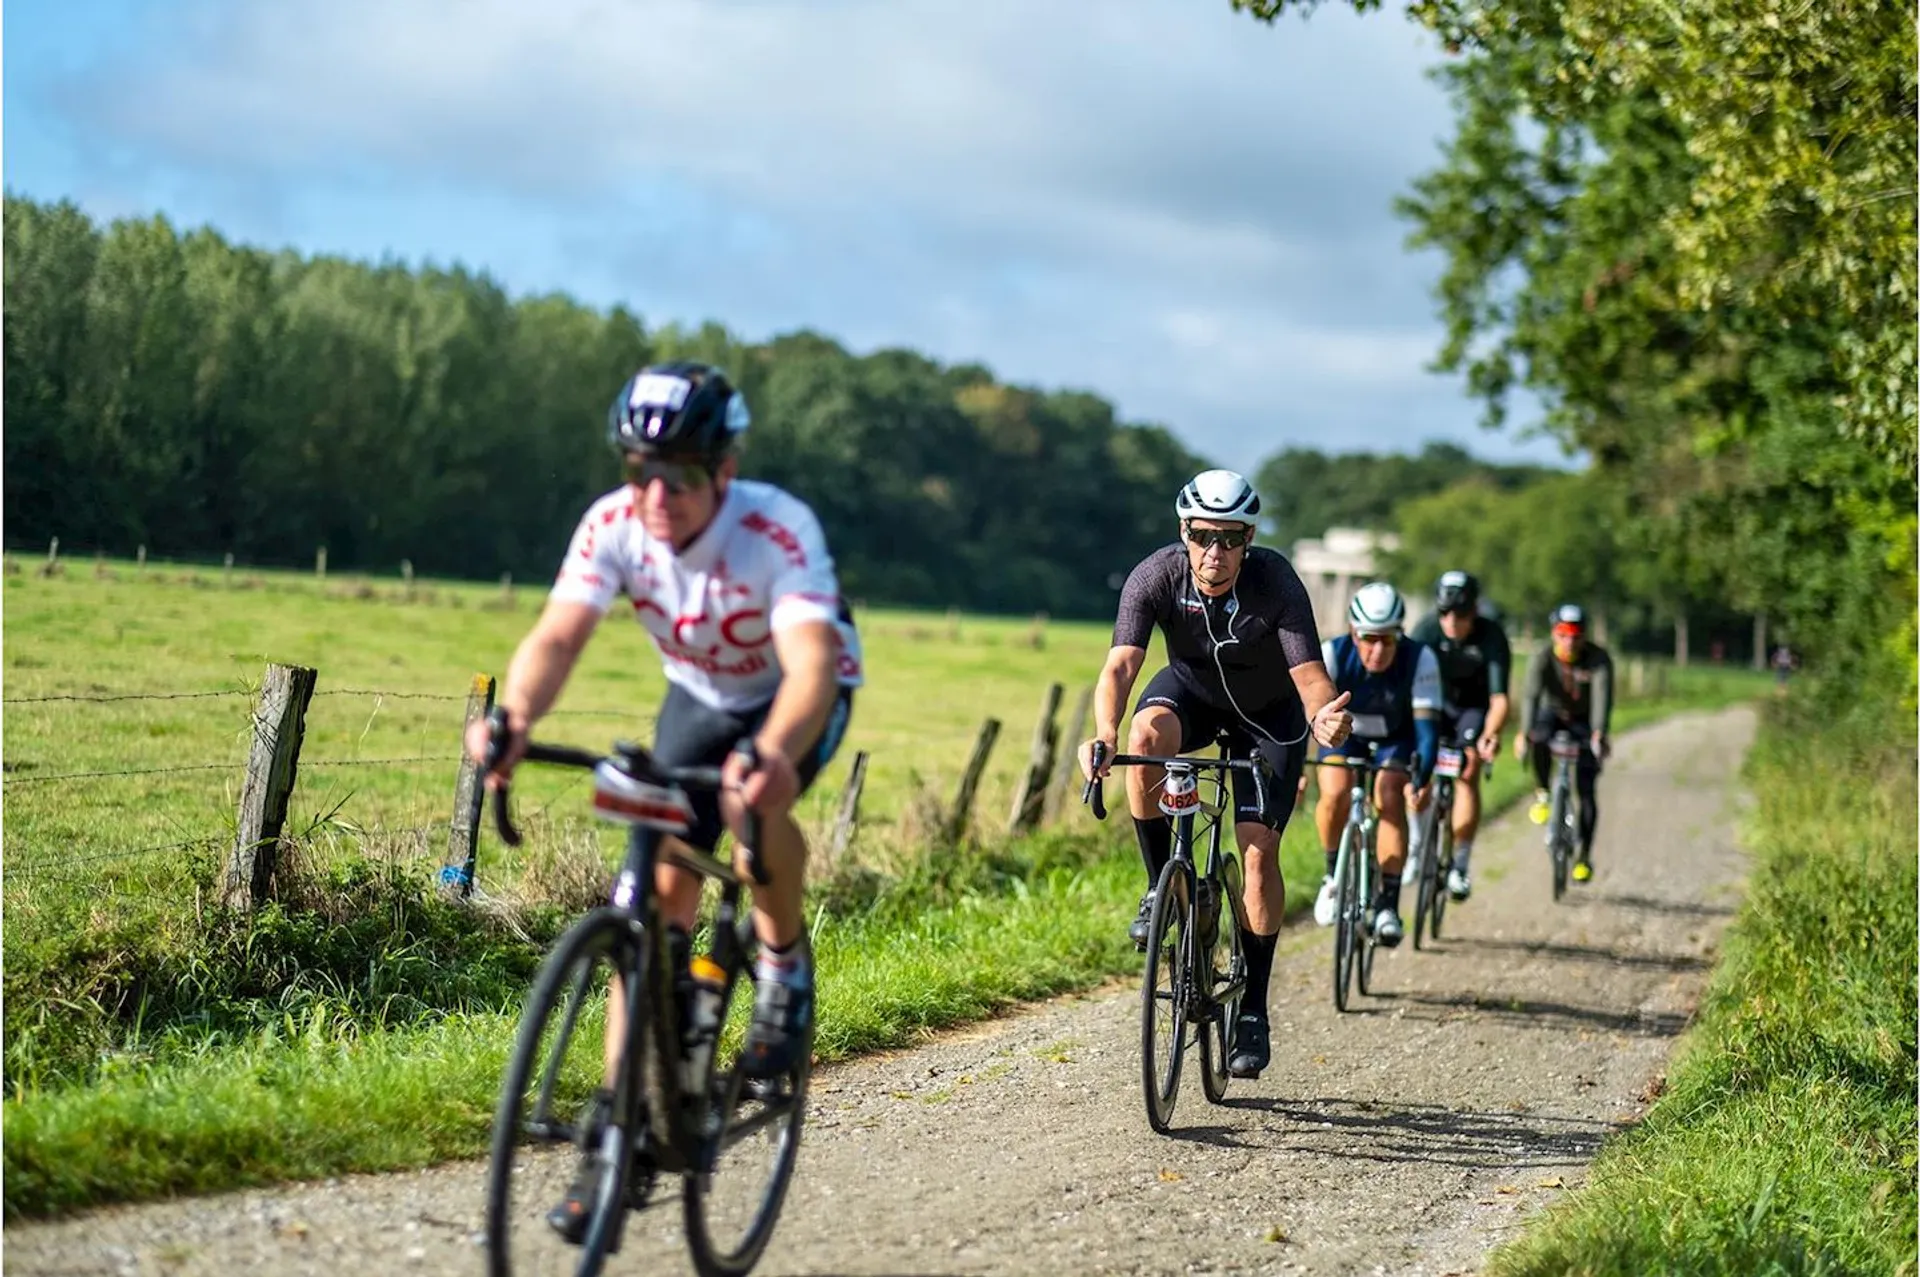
1476	664
1243	663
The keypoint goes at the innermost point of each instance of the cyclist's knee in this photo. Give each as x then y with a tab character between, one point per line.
1258	841
1154	730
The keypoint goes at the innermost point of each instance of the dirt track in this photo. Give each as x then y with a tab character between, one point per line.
1408	1137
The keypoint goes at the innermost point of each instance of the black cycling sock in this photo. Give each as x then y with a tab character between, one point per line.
1389	897
1333	859
1259	951
1156	845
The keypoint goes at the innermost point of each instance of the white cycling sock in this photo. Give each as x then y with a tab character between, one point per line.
790	966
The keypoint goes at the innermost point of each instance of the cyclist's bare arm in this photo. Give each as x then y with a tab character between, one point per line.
1317	697
809	654
1110	694
539	669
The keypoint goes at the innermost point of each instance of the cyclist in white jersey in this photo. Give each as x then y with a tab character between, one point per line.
732	580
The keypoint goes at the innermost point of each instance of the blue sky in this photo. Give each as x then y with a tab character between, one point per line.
1158	200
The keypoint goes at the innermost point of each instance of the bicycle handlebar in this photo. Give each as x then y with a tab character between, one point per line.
1094	793
634	761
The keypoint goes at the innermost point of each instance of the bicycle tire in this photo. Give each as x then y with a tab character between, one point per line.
1168	954
1346	918
735	1110
1363	964
1423	903
1557	842
1216	1034
1442	864
518	1238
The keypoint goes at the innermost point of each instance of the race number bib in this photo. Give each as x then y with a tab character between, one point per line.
1449	763
1371	726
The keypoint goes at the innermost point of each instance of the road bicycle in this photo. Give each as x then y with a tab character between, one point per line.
1563	834
680	1104
1436	839
1196	972
1355	874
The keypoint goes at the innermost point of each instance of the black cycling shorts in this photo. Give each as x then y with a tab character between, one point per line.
1463	725
691	733
1202	723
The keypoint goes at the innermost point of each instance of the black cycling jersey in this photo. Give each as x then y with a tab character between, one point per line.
1473	669
1237	651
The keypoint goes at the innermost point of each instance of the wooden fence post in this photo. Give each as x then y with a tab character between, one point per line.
1032	793
953	623
320	565
962	813
52	565
226	570
1067	762
469	796
506	590
140	557
406	578
849	817
279	721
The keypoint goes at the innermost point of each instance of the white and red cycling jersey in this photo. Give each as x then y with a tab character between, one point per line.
761	565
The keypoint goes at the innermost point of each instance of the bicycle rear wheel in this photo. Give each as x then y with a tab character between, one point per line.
1347	919
539	1131
1558	842
749	1142
1164	993
1226	965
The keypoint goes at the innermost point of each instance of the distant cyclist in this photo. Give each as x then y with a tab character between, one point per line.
732	581
1569	688
1243	661
1474	664
1394	684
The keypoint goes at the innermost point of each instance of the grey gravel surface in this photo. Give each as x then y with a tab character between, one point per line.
1408	1136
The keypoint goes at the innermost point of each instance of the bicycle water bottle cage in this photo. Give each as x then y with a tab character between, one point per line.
622	799
1181	794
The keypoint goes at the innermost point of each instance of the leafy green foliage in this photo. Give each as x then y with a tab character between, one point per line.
200	397
1309	491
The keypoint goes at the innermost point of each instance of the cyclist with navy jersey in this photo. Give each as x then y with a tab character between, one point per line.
1475	666
1394	686
732	581
1243	664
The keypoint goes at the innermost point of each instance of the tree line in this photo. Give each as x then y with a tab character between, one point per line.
1690	231
178	391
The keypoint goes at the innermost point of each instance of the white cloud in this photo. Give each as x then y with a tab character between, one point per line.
1137	196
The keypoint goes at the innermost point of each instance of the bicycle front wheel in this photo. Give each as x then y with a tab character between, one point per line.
1423	905
1559	839
1164	993
749	1140
1442	866
1347	921
542	1136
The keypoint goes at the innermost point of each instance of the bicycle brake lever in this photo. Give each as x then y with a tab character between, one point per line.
498	733
1094	794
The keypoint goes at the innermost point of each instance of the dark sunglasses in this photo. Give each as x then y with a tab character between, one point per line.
1458	609
1225	538
680	477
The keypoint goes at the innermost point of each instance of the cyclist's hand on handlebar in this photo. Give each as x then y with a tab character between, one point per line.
1087	767
480	743
1419	797
1332	725
1520	749
1489	747
770	787
1601	747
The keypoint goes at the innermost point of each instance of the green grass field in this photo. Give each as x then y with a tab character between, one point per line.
1784	1143
145	1028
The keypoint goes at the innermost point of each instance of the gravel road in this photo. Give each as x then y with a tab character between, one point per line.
1409	1136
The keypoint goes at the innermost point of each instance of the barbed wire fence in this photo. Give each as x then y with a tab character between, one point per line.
60	832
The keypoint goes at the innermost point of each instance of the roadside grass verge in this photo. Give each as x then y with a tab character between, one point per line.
383	1050
1785	1141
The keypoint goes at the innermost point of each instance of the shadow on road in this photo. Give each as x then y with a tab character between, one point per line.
1558	1017
1579	953
1649	904
1405	1133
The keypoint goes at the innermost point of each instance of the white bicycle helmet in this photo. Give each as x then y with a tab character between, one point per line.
1218	494
1377	609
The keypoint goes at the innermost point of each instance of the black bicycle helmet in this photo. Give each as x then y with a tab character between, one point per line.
680	407
1456	589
